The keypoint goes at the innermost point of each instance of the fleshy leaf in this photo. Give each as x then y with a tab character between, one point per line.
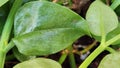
38	63
110	61
43	28
96	15
46	42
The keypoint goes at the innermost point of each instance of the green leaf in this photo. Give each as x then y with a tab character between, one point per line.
39	15
2	2
111	61
100	14
43	28
115	4
46	42
38	63
20	56
111	35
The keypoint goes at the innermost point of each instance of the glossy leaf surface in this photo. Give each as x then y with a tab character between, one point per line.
35	16
38	63
97	16
110	61
43	28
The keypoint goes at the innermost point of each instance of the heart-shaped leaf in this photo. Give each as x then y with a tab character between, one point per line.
43	28
38	63
99	15
110	61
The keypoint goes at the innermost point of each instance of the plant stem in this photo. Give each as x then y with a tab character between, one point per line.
9	46
62	58
97	51
111	50
9	22
6	32
92	56
2	58
10	57
89	47
71	58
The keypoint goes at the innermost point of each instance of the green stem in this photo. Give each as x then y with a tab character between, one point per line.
111	50
62	58
115	4
9	46
6	32
2	58
89	47
98	51
92	56
71	58
9	22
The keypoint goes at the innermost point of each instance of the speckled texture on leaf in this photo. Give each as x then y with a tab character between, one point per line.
43	28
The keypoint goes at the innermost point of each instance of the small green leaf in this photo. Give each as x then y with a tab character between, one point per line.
38	63
111	61
43	28
99	13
